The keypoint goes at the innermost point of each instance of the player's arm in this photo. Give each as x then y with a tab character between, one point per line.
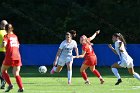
57	56
94	35
77	52
110	46
83	54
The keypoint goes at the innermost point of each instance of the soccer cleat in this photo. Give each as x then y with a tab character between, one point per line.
21	90
2	84
118	82
9	88
52	71
87	82
102	81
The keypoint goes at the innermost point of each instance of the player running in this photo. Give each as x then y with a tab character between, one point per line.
64	56
12	58
90	58
125	59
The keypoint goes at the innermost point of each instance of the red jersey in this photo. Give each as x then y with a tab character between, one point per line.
90	57
88	49
12	47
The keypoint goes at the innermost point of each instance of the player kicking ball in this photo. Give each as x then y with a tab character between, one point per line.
64	55
125	59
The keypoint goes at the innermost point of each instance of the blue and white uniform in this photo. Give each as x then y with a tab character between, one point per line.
66	53
125	59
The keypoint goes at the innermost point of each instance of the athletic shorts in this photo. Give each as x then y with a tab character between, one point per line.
64	60
2	56
126	64
12	62
90	61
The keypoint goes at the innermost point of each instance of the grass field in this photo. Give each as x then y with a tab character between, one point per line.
34	82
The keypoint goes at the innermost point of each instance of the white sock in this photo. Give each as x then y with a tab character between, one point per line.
54	68
115	71
137	76
69	75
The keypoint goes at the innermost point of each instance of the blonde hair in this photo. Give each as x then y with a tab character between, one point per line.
85	38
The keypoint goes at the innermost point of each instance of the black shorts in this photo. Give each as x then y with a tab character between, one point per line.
2	56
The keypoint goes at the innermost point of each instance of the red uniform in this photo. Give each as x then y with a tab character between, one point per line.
12	57
90	57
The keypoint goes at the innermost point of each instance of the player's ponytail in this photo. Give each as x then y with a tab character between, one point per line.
73	33
121	37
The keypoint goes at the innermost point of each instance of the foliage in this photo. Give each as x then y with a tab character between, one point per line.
46	21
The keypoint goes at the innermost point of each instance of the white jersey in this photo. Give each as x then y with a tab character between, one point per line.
66	54
67	48
124	57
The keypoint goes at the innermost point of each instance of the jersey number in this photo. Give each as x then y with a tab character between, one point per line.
90	48
13	42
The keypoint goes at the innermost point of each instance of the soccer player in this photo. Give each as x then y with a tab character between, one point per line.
12	58
90	58
64	56
2	50
125	59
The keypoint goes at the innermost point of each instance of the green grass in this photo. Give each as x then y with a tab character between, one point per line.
34	82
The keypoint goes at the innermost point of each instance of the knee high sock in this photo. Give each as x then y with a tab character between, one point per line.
96	72
19	82
137	76
115	71
69	75
6	77
54	68
84	75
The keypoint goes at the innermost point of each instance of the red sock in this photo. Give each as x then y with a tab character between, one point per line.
6	77
96	72
84	75
19	82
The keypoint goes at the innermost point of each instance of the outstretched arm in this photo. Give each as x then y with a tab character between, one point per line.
82	55
94	35
110	46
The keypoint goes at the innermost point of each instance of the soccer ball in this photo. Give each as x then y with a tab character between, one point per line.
42	69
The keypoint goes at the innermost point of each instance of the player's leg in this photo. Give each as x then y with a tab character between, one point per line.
116	73
84	74
6	77
69	74
2	55
56	69
96	72
132	72
16	70
59	67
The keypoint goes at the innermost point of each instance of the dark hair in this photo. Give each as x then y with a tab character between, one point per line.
73	33
8	26
121	37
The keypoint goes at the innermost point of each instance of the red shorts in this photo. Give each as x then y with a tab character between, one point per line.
90	61
12	62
